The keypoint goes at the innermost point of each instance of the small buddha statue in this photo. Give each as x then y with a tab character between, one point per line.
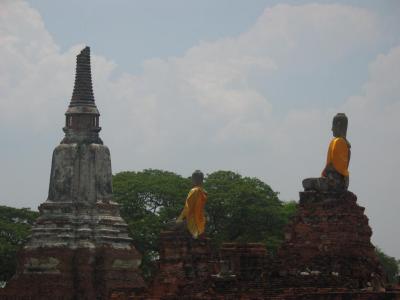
335	176
193	211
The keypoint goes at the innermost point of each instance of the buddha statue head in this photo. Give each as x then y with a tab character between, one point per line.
197	178
339	125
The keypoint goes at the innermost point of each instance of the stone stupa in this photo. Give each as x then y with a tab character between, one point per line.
79	247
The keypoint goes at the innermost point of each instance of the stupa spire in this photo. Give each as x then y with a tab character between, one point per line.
83	90
82	116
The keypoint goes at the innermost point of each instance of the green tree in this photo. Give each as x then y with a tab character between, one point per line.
239	208
15	227
244	209
148	200
390	265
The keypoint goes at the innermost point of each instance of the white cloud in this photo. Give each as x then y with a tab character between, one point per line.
29	60
376	144
207	109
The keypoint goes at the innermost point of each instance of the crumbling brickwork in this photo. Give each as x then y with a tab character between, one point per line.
328	244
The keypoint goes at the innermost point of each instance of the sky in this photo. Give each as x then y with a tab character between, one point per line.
247	86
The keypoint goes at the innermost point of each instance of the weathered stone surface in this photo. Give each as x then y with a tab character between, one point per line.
328	245
80	172
189	270
184	264
79	247
247	260
48	273
79	224
245	276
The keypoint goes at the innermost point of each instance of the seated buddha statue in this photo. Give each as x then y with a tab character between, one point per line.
193	211
335	175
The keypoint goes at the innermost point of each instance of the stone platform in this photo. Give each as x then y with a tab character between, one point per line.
328	244
77	250
184	265
188	269
63	273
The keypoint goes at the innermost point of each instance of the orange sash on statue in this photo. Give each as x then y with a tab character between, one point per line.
194	211
339	155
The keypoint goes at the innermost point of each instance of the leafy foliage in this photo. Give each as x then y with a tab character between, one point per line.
390	265
15	226
238	208
148	200
244	209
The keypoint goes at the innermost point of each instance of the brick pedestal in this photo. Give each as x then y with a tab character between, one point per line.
63	273
184	265
328	244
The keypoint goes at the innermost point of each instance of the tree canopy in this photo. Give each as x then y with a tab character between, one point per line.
238	209
390	265
15	226
148	200
244	209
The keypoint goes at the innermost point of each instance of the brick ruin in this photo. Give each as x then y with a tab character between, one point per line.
80	248
328	244
327	254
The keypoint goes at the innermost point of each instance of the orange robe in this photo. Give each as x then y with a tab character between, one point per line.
338	156
194	211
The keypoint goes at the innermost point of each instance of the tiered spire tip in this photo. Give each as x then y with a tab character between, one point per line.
83	90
